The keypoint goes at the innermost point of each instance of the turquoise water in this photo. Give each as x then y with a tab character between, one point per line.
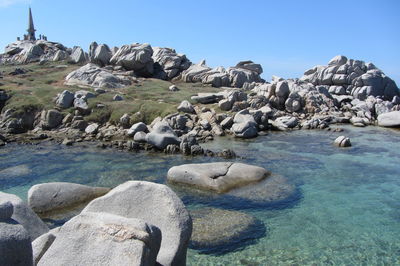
346	209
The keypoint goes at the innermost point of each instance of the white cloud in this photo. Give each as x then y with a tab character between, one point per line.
6	3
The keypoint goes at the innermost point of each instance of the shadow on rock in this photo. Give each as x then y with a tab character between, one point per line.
274	192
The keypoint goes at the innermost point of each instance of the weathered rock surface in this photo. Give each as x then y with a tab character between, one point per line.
243	72
342	141
65	99
136	57
23	52
93	76
78	56
156	204
25	216
54	196
361	79
51	119
219	177
391	119
244	125
101	55
168	64
162	135
216	228
95	238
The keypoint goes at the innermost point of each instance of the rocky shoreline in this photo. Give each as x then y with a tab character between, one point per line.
344	91
155	227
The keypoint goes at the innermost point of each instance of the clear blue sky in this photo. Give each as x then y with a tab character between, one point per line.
286	37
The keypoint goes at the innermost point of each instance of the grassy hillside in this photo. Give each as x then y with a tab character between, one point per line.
144	100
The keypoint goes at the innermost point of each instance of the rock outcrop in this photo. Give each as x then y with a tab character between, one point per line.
348	76
78	56
243	72
136	57
219	177
168	64
91	75
23	52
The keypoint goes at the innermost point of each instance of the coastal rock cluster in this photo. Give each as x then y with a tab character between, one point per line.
117	67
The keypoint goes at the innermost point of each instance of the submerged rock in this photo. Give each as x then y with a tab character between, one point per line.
15	171
217	229
271	190
104	239
156	204
219	177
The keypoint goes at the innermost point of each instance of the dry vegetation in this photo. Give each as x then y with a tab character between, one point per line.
145	100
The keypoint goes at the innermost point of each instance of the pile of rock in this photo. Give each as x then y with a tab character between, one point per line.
346	90
23	52
168	64
243	72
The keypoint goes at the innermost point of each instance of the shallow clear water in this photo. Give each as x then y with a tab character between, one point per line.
346	210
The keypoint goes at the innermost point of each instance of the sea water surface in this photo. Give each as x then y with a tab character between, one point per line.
346	210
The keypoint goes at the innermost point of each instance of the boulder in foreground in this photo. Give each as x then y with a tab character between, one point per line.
156	204
104	239
220	177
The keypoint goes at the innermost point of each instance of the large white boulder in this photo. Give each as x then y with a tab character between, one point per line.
220	177
162	135
59	195
94	76
391	119
156	204
104	239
